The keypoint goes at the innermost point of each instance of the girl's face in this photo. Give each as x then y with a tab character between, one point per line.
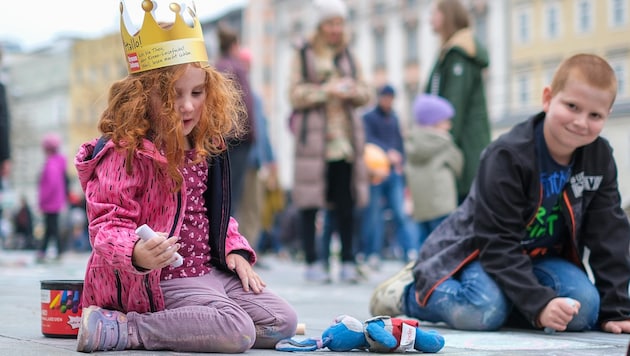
575	117
191	96
333	30
437	19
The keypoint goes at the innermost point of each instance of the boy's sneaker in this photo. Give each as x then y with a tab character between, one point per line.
387	297
102	330
315	272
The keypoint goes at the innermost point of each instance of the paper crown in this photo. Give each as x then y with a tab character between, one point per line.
153	46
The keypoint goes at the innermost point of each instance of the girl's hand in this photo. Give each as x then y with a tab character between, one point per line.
617	326
155	253
249	278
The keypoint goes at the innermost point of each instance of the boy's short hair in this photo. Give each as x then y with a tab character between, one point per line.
591	68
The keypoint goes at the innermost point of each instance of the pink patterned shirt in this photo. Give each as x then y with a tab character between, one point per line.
195	228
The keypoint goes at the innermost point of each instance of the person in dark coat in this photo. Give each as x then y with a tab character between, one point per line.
457	76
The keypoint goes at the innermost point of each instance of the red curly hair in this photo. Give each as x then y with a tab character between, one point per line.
129	117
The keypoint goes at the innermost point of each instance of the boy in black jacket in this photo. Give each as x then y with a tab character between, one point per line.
514	249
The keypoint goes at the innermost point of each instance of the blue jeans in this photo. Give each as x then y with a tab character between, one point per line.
473	301
426	227
391	191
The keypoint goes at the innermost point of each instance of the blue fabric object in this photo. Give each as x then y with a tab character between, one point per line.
348	333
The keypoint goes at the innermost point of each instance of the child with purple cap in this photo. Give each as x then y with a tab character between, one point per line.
433	163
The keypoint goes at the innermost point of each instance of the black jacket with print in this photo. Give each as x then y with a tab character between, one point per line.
506	194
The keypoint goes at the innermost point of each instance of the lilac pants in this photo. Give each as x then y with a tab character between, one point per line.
212	313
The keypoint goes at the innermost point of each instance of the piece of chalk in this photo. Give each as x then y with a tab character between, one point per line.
300	329
147	233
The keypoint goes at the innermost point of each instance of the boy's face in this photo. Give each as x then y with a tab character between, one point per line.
575	117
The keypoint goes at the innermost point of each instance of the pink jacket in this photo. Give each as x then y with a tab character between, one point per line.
52	184
117	203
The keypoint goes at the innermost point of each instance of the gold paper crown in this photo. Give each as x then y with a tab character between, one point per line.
153	46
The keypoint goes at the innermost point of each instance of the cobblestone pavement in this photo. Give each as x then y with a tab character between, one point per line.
317	305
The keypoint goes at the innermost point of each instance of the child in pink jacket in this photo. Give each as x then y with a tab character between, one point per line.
162	161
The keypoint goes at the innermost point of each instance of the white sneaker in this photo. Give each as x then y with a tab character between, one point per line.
315	272
387	297
349	273
374	261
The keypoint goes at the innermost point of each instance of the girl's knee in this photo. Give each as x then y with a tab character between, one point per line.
284	326
240	338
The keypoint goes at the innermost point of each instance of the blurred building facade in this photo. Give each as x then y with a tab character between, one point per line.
64	87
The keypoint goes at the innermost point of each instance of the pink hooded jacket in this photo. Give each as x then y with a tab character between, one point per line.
117	203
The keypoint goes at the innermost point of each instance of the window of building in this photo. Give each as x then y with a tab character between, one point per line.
481	27
379	48
523	26
412	42
548	74
584	16
618	12
523	94
621	72
552	20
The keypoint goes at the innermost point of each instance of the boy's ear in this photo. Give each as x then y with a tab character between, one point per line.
546	98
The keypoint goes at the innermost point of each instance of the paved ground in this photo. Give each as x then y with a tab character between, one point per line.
317	305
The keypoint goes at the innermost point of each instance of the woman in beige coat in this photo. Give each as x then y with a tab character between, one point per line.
325	90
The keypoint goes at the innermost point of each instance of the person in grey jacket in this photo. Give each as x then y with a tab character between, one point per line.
433	163
514	252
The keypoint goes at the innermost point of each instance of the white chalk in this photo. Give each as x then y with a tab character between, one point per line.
147	233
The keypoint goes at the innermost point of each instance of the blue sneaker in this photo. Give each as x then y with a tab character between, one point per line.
102	330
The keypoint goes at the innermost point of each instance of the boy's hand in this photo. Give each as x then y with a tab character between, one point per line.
249	278
617	326
558	313
155	253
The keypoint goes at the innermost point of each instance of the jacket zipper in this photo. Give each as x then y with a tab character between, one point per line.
147	284
574	254
119	289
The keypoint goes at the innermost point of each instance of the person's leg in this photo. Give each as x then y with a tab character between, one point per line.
423	232
55	231
273	317
329	227
372	224
339	196
469	301
200	316
307	229
239	157
248	214
49	231
570	281
395	195
314	269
